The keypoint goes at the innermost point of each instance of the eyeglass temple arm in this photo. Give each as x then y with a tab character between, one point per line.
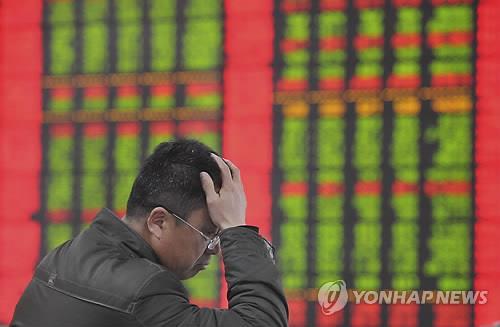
196	229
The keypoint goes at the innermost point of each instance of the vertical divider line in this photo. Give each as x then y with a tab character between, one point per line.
222	80
277	130
425	314
41	215
76	218
387	215
312	166
111	130
145	89
180	89
349	169
473	163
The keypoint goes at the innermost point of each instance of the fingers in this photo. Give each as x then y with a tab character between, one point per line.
235	171
208	186
225	172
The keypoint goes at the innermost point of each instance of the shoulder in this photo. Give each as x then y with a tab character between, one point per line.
112	278
162	282
138	277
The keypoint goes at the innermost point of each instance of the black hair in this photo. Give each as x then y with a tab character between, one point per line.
170	177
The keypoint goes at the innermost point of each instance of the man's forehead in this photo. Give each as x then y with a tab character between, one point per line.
202	218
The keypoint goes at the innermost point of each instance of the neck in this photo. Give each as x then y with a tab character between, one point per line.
137	225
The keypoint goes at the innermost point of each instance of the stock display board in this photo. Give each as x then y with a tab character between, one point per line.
365	130
119	78
374	127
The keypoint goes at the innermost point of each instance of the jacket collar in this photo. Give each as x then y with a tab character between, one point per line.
119	232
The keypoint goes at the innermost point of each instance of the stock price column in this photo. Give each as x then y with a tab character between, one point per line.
58	140
404	80
199	102
365	219
448	138
292	158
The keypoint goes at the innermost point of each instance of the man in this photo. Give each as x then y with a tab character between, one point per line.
186	204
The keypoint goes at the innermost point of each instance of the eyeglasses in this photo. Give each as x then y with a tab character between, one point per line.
212	242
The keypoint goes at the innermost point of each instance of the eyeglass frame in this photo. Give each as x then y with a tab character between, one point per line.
212	242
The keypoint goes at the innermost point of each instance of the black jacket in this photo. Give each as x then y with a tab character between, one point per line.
109	276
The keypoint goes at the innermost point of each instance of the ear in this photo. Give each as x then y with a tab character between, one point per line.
157	221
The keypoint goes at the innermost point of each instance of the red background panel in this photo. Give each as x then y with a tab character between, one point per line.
247	130
487	229
20	118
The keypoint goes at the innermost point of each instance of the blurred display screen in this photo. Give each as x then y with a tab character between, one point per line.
119	78
373	127
373	120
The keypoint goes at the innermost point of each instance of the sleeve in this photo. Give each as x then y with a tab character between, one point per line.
255	293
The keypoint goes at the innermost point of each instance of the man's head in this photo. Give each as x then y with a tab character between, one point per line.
169	185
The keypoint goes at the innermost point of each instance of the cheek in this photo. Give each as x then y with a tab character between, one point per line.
196	249
164	251
188	250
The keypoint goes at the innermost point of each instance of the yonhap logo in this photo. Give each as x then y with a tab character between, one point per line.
332	297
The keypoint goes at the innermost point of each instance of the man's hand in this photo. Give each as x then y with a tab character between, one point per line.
228	208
